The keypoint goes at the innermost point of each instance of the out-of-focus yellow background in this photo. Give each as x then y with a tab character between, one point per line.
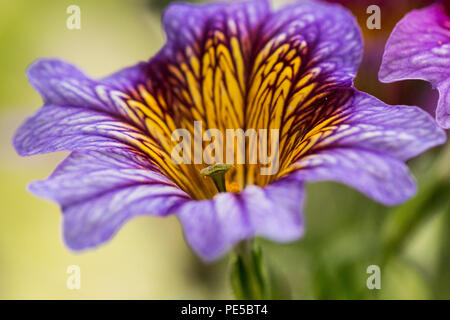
148	258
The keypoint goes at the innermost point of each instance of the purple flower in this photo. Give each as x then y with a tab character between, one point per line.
419	48
235	65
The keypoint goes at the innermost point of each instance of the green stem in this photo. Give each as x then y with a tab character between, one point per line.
249	277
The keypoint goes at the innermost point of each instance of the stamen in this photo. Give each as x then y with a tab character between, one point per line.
217	173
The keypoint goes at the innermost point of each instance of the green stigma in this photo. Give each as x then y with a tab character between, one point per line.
217	173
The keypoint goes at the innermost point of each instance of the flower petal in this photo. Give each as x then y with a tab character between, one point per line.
236	65
61	83
306	58
58	128
127	108
185	24
419	48
118	95
100	190
402	132
206	61
382	178
366	148
330	33
212	227
443	107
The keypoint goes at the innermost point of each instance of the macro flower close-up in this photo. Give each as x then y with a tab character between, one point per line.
231	66
233	127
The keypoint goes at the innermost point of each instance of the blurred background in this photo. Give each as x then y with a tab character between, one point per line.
148	258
